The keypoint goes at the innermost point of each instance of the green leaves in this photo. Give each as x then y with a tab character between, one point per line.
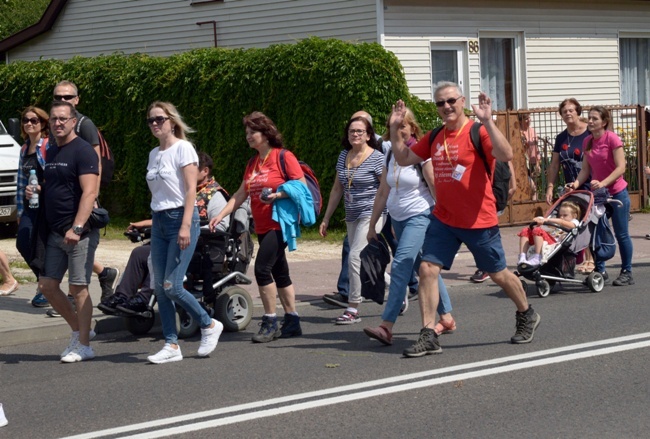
309	89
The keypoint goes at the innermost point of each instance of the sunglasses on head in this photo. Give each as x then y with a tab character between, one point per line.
450	101
159	120
32	120
64	97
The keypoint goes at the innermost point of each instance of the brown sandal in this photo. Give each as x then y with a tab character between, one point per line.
586	267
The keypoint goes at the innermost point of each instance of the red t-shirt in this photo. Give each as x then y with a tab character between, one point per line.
268	173
467	203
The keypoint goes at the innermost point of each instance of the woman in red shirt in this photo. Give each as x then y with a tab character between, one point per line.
271	268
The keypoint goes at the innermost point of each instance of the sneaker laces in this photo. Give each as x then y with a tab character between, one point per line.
522	323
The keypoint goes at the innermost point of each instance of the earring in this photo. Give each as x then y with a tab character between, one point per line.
173	130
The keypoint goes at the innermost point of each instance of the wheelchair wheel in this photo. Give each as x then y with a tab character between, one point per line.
234	308
186	325
139	325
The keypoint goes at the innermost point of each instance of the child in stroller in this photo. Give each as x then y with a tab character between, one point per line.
557	260
567	218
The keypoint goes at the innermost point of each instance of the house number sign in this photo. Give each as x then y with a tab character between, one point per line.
473	47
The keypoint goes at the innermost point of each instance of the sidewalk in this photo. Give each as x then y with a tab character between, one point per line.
21	323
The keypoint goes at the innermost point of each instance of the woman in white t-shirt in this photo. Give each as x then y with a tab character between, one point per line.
171	175
408	192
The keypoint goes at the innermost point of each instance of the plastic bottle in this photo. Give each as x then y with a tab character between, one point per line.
33	182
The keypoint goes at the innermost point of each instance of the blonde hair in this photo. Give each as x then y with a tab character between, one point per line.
180	128
409	118
572	206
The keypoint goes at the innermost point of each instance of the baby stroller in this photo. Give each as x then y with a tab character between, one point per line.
559	259
218	267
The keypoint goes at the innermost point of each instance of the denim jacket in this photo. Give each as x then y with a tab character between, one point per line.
23	179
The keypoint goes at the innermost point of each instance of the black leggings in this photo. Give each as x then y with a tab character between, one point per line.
271	261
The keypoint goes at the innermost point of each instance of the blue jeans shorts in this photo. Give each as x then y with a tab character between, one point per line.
442	243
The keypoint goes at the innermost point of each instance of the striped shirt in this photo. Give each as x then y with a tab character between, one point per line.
360	184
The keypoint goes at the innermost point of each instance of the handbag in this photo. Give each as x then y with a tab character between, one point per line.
98	217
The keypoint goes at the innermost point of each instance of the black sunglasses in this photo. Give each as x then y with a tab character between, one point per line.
32	120
64	97
450	101
158	119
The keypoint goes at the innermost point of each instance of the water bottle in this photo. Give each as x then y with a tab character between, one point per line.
33	182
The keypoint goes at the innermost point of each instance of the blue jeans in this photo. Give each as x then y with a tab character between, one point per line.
410	235
169	264
343	283
25	236
620	222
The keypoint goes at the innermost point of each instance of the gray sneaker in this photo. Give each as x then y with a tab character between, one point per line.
427	344
527	322
336	299
108	282
269	330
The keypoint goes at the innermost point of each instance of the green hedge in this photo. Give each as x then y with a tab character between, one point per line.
309	89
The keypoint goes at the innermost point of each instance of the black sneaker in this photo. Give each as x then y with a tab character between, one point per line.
336	299
54	313
290	326
135	305
527	322
427	344
625	278
479	276
108	282
109	306
269	330
605	276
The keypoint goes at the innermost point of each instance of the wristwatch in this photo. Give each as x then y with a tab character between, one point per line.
78	229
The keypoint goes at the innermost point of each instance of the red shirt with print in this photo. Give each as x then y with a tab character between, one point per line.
464	198
262	173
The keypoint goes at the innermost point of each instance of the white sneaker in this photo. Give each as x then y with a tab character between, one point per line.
166	355
3	419
79	353
210	338
74	340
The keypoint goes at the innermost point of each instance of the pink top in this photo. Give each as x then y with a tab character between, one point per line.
601	159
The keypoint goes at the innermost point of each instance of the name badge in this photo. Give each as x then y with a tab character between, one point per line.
458	172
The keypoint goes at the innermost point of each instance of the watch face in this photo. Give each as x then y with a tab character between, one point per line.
78	230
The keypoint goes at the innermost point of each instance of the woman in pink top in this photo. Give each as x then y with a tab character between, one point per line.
604	159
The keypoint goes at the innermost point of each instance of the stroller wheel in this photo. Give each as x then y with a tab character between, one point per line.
595	281
139	325
234	308
543	288
185	323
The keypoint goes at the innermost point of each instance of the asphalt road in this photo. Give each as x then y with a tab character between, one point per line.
585	375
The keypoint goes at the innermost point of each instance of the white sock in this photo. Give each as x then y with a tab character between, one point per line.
522	258
272	316
351	310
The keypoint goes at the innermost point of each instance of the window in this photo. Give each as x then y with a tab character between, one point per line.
502	70
635	71
447	61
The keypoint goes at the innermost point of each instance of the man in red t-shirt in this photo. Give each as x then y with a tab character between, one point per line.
465	211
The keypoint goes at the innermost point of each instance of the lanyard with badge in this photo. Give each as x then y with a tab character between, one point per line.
350	176
459	170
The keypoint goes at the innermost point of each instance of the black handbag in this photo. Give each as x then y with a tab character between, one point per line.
98	218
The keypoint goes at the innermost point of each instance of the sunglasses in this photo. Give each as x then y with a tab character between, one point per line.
450	101
159	120
33	120
64	97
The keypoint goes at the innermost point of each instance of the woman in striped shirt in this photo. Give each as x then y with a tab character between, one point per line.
358	173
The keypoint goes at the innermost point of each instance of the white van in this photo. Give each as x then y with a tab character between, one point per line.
9	156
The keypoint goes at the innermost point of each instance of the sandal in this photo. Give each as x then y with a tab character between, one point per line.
445	326
348	318
9	290
586	267
380	333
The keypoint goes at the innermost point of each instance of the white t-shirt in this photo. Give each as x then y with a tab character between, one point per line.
409	195
165	174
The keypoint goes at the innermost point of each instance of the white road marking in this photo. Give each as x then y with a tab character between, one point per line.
524	361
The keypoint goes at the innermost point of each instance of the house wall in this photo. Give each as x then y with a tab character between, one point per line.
163	27
569	48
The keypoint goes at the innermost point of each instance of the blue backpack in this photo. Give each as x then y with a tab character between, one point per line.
603	241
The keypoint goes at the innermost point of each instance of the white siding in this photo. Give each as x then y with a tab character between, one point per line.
164	27
571	47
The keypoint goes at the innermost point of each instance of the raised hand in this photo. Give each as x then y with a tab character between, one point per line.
484	108
397	115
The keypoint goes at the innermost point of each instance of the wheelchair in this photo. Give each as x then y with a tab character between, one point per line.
216	271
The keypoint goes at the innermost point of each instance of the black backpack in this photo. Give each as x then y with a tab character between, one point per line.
502	174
